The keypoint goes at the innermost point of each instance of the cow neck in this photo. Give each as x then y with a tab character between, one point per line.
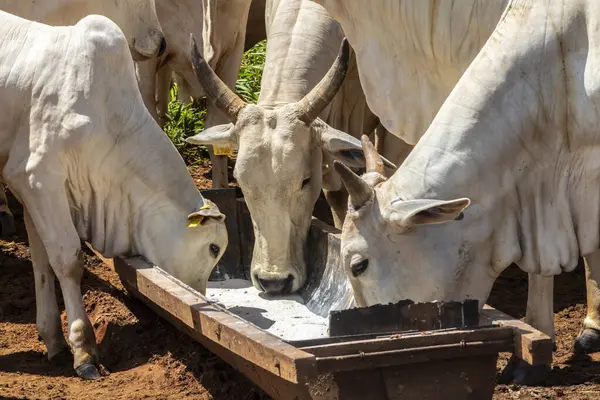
302	45
505	139
139	188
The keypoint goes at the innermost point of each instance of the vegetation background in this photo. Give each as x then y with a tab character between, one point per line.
185	120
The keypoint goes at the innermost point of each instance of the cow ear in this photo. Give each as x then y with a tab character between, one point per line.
342	146
223	135
411	213
209	211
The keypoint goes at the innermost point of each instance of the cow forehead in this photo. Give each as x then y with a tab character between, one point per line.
276	146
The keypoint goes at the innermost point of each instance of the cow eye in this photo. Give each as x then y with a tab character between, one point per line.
214	250
360	267
305	182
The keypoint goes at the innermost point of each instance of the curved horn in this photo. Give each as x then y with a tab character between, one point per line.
321	95
358	190
374	163
216	90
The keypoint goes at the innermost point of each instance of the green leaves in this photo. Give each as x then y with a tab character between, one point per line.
184	120
251	70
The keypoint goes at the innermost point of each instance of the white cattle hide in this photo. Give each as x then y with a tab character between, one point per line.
87	161
517	139
136	18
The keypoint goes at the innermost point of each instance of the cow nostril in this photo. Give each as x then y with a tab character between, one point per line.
163	47
277	286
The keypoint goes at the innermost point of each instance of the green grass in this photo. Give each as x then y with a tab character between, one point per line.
184	120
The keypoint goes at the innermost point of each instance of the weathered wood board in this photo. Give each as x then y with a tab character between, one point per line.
459	363
402	316
531	345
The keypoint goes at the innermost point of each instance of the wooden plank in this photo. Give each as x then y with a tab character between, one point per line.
407	341
404	315
192	310
470	378
388	358
275	387
531	345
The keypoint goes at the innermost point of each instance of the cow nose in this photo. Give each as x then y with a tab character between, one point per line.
277	286
163	47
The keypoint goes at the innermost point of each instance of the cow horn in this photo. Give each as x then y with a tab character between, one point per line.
216	90
358	190
321	95
374	163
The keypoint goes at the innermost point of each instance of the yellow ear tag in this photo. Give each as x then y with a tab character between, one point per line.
195	221
223	151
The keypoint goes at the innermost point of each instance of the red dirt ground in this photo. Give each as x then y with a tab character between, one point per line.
149	359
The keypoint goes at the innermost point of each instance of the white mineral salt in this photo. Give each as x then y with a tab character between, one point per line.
283	316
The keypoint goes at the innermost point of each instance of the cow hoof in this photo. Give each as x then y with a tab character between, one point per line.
519	372
88	372
7	222
587	342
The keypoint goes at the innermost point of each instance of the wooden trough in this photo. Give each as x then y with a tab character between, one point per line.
455	361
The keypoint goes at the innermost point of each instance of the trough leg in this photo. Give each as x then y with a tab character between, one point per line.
45	200
540	315
7	219
588	340
220	179
47	311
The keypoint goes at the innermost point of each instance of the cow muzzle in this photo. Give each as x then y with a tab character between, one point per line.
277	286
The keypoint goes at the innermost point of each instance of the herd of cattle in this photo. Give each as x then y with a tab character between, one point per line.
490	109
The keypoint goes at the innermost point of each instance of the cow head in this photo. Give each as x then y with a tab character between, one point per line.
139	22
419	249
280	165
189	249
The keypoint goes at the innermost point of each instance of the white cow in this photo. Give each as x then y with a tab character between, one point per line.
220	27
87	161
136	18
284	149
425	60
517	139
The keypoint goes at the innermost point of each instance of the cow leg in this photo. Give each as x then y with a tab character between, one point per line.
47	311
46	203
540	304
146	76
7	219
183	92
588	340
163	93
540	315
